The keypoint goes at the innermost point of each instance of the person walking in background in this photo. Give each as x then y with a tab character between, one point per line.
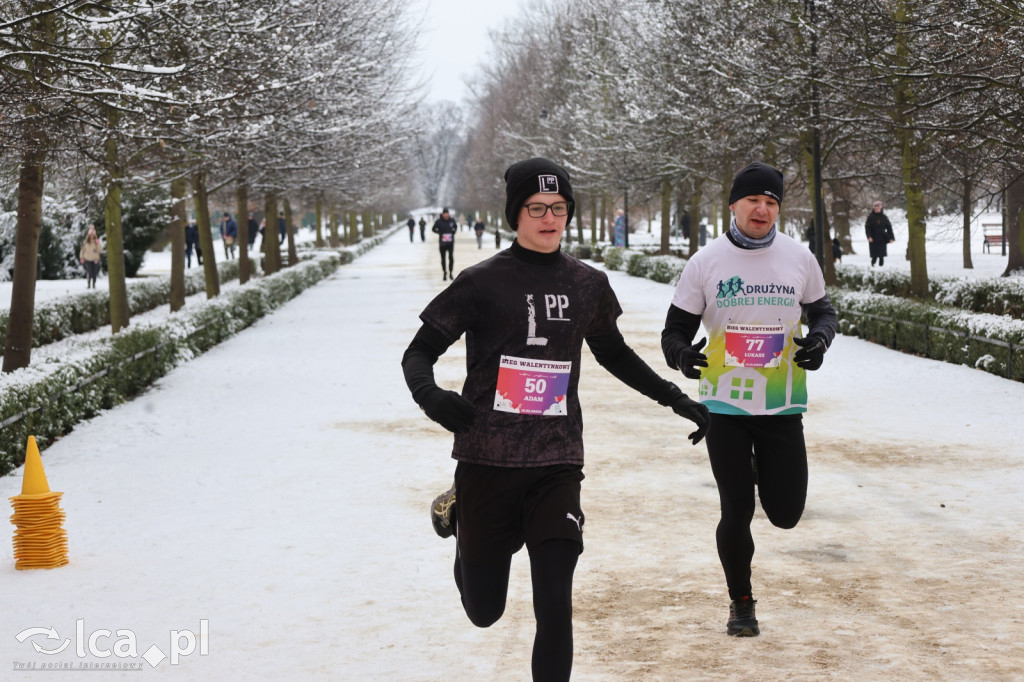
282	228
518	425
619	228
837	250
497	237
445	228
879	232
753	376
89	256
253	227
423	229
192	242
479	228
412	229
228	234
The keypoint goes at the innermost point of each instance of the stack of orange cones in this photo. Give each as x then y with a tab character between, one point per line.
40	541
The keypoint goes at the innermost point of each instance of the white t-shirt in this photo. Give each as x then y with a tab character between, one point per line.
749	301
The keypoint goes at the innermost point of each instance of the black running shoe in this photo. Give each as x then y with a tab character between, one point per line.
442	513
742	621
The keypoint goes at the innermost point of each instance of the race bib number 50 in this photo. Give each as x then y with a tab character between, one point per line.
528	386
754	345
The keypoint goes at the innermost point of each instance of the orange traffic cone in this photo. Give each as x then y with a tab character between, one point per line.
40	541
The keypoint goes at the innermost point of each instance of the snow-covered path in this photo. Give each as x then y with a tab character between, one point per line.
277	489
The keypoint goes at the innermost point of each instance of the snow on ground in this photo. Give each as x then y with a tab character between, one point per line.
273	494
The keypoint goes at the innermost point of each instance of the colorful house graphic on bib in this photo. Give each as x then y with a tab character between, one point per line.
739	386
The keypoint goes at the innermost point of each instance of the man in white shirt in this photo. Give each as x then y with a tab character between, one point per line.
749	288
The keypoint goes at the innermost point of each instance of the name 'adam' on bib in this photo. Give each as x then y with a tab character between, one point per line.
527	386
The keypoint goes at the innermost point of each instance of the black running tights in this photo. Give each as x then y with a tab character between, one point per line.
448	248
552	563
774	446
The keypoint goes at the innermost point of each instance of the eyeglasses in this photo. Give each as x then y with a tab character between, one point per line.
559	209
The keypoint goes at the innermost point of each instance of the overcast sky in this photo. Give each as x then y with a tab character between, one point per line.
455	40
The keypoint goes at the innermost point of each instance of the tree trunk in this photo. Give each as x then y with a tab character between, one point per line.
272	234
965	208
910	154
333	239
579	219
910	157
367	225
822	233
694	209
666	215
604	216
830	262
726	213
353	229
319	208
18	345
841	221
1015	246
595	218
119	312
242	218
205	235
681	204
842	208
293	256
179	187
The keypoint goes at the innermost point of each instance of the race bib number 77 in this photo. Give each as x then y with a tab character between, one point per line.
528	386
754	345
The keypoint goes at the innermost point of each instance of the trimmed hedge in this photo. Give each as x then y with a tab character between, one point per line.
994	295
89	310
993	343
664	269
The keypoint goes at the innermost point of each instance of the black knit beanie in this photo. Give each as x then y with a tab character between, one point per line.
757	178
523	179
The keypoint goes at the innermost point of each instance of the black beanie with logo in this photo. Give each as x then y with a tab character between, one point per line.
756	179
523	179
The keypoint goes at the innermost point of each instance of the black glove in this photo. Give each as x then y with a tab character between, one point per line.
449	409
812	351
690	358
695	412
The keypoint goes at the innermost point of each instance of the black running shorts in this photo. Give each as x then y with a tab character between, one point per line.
501	508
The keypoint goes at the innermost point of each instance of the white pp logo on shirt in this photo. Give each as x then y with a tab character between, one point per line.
548	184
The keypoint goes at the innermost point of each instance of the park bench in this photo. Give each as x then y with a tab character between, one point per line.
992	234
